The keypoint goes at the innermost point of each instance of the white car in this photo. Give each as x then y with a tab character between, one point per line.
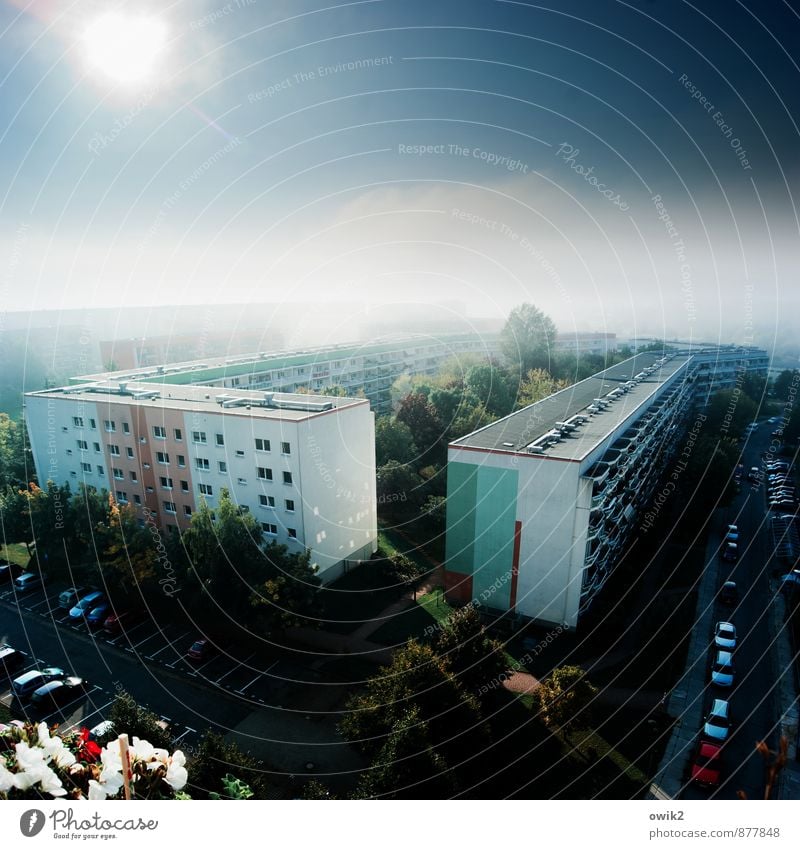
722	669
725	635
718	722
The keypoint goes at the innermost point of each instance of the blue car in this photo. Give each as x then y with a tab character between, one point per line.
87	604
97	615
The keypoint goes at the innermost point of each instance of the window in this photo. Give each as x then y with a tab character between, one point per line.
87	467
290	505
101	470
270	529
184	486
169	507
83	445
129	452
109	425
122	497
178	435
264	474
166	483
171	529
202	463
159	432
69	452
222	466
92	424
199	436
181	461
262	445
64	428
241	481
239	452
114	450
134	477
162	457
266	500
286	448
220	439
205	489
97	448
292	533
287	477
126	428
187	510
77	421
118	474
137	499
149	489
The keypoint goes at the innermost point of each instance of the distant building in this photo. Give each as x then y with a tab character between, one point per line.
303	465
541	503
585	343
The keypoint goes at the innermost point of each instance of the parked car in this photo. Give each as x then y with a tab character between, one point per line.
200	649
87	603
729	594
116	623
97	615
70	597
722	669
59	692
27	581
11	661
717	723
730	552
101	731
754	475
9	572
725	635
30	681
706	765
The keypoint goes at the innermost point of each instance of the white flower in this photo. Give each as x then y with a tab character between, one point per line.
51	783
33	769
54	747
141	749
97	792
177	775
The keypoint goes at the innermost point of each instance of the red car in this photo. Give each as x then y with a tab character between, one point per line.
116	623
200	649
707	765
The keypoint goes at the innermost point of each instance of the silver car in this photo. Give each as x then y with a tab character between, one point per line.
31	681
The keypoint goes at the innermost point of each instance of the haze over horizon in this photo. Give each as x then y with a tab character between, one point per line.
625	166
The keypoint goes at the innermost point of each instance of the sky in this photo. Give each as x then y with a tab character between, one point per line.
626	166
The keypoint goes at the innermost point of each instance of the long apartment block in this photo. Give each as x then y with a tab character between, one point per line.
303	465
369	367
541	503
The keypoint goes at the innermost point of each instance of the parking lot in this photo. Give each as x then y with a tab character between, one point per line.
255	678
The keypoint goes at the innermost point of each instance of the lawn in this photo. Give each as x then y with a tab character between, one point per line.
15	552
419	620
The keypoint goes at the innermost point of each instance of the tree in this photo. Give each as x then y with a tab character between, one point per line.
729	412
427	430
287	592
537	384
418	677
215	759
489	385
783	383
407	766
708	477
393	441
475	658
565	698
399	490
14	458
129	717
527	338
129	554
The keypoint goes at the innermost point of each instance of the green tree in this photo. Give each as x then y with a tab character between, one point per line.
783	383
130	556
527	338
565	698
399	490
287	591
407	766
489	385
129	717
708	477
537	384
475	658
427	430
729	412
14	458
215	758
393	441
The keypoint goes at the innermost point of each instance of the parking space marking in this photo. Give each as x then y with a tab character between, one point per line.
181	736
99	710
169	645
142	642
238	666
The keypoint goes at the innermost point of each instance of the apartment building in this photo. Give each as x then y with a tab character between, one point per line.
541	503
370	368
585	343
303	465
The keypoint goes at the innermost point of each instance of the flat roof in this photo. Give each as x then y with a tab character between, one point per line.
282	406
517	431
212	368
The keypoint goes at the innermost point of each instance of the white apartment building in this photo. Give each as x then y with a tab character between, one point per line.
303	465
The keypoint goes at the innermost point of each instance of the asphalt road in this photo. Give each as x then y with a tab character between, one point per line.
753	708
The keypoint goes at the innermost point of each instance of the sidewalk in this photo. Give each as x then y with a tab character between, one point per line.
686	699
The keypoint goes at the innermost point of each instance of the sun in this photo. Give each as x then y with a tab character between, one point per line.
125	48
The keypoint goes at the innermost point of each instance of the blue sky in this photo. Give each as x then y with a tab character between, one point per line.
490	152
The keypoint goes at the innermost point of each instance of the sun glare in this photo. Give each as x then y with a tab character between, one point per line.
125	48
